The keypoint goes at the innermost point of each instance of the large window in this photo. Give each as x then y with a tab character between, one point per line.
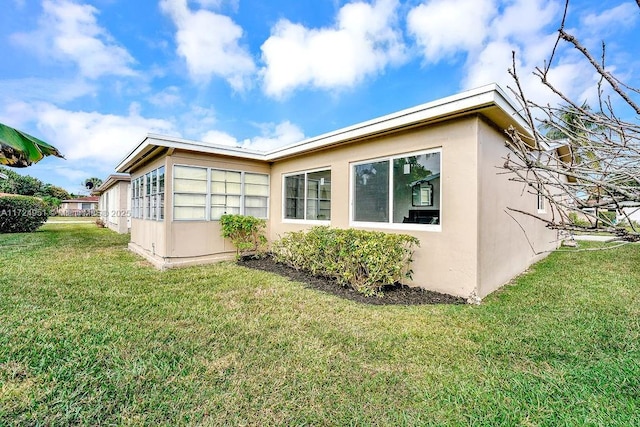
308	196
189	192
207	193
147	195
398	190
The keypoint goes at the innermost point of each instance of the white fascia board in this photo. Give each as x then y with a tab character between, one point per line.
153	140
111	181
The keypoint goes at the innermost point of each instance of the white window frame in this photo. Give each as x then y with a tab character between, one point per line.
141	201
243	195
284	198
390	225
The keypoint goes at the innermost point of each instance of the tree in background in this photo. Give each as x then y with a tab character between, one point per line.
578	157
25	185
92	183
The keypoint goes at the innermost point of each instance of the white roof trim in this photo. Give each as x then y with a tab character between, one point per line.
485	96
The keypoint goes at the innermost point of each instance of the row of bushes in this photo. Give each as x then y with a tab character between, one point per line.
364	260
22	214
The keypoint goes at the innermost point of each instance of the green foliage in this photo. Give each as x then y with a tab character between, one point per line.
52	202
92	183
364	260
609	217
245	232
576	220
19	149
22	214
49	190
19	184
26	185
90	335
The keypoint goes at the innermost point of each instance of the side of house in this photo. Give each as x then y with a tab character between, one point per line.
430	171
114	205
84	206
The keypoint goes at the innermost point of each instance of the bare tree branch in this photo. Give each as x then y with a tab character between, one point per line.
584	163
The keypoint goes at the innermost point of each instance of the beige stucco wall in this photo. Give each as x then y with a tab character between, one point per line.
476	248
446	260
504	244
149	238
191	242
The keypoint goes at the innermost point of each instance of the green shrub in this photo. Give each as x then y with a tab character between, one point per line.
22	214
575	220
364	260
245	232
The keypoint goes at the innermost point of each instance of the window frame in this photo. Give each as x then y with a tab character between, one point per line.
208	195
305	198
390	225
147	201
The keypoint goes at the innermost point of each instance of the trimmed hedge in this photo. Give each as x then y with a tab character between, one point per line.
364	260
22	214
245	232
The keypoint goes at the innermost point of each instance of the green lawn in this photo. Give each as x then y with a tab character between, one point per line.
92	335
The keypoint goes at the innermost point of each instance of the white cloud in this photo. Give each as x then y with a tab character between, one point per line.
624	15
362	42
88	136
220	138
51	89
442	28
272	136
484	33
69	31
168	97
210	44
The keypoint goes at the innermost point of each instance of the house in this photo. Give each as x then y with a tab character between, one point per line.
82	206
432	171
114	205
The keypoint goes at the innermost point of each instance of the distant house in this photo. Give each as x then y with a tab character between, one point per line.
432	171
82	206
115	202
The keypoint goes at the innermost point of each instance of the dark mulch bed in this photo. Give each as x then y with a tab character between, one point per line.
393	295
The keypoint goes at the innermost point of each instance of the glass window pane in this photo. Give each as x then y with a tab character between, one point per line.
319	195
254	202
189	185
256	190
253	178
416	189
257	212
161	180
185	212
371	192
190	172
189	199
294	200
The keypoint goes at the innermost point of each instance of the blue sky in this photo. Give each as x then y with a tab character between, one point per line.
94	77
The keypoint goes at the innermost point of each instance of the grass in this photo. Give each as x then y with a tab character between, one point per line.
70	219
92	335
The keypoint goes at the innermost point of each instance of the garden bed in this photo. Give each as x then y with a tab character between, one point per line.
393	295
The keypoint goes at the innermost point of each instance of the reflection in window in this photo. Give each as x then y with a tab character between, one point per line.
371	202
410	194
308	196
